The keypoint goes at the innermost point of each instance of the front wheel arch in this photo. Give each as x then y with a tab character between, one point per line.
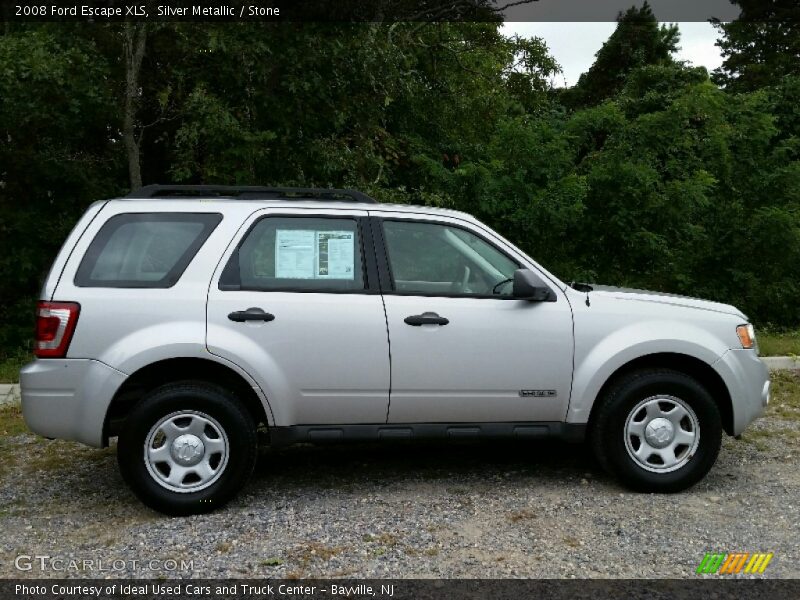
682	363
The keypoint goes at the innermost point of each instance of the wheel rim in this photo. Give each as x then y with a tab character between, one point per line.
662	433
186	451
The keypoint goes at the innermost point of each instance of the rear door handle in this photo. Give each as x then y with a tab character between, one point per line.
251	314
426	319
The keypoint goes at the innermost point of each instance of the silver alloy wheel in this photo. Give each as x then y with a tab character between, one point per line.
662	433
186	451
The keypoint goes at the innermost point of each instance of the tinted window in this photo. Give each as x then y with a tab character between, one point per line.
144	249
434	259
298	253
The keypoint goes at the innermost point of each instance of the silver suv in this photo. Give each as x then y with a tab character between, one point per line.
195	321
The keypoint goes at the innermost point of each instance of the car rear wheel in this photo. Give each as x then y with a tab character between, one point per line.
187	448
657	430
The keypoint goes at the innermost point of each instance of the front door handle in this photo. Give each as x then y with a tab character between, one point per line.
251	314
427	318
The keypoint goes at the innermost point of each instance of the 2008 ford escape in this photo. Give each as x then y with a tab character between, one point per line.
184	318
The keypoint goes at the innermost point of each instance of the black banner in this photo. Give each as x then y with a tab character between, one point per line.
370	10
398	589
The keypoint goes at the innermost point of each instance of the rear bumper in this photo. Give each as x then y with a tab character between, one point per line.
747	379
68	398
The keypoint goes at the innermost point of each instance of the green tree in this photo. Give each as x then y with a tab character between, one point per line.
660	179
530	74
637	41
56	155
761	46
386	107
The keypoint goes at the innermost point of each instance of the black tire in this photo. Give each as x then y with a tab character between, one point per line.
608	438
205	400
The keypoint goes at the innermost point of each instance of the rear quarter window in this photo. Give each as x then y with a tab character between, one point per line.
144	250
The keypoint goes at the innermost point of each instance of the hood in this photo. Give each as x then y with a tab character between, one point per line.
660	298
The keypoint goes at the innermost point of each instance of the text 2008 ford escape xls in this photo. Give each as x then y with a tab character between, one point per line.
183	318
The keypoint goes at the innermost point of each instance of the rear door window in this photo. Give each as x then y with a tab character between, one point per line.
302	254
144	250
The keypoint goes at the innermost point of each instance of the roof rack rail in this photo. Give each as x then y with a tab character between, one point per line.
250	192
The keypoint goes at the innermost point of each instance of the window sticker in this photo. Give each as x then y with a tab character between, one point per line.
306	254
294	254
335	255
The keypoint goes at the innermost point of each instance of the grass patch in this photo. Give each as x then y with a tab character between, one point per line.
57	455
11	364
757	437
784	405
775	343
11	422
386	539
521	515
13	508
50	456
224	547
785	397
314	551
760	438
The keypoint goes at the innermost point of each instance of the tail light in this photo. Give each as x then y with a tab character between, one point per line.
55	324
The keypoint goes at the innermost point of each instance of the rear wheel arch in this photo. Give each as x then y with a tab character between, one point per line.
173	370
698	369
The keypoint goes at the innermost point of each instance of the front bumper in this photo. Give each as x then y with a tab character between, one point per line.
68	398
747	379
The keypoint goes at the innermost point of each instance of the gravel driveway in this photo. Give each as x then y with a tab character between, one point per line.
426	510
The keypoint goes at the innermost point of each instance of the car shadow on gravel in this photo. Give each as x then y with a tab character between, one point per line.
391	462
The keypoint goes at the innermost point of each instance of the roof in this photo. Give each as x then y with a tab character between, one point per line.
249	192
332	198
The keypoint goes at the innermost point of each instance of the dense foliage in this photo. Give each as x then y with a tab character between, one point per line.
761	47
637	41
646	174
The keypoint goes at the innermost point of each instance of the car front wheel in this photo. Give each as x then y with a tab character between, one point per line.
187	448
657	430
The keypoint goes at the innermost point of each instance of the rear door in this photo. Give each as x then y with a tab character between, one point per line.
463	348
296	303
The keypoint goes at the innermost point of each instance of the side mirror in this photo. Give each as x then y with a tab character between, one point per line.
529	286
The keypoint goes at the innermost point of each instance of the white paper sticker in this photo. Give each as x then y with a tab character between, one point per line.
305	254
294	254
335	255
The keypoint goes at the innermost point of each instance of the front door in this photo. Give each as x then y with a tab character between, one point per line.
298	307
462	348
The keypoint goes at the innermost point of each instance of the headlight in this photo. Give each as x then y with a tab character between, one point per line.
747	336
